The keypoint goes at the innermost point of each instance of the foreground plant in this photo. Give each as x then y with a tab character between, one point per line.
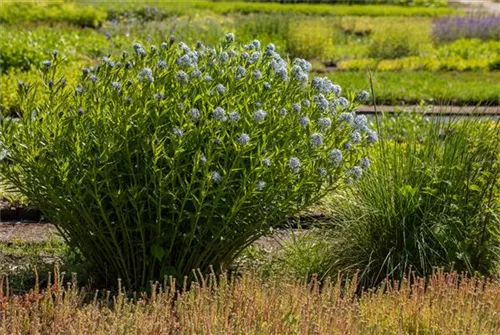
429	199
447	303
172	159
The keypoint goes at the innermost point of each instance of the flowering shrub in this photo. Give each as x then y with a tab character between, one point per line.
170	159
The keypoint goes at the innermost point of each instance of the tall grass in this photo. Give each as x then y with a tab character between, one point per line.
427	200
446	304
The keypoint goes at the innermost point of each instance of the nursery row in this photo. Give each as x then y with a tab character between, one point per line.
94	13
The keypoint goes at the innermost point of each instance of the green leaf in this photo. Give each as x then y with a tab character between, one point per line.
157	251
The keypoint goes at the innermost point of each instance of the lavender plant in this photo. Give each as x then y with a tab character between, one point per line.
172	158
449	29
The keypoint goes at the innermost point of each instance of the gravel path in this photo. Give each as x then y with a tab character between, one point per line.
486	6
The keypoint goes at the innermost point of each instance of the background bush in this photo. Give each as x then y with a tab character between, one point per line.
427	200
390	41
23	49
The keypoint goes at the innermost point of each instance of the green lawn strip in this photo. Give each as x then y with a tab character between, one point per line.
438	88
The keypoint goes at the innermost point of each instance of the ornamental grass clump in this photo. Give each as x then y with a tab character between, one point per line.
172	158
430	198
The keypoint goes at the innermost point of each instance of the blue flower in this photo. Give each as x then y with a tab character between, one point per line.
282	73
254	57
322	172
266	162
321	102
93	78
324	123
299	74
346	117
255	45
224	56
296	107
230	37
182	77
203	159
188	60
162	64
371	136
304	65
244	139
257	75
365	162
200	46
177	132
355	137
355	172
361	123
137	46
280	68
141	52
343	102
220	89
183	46
47	63
259	115
325	86
362	96
194	113
216	177
219	114
306	103
116	86
196	73
146	73
336	157
234	117
304	121
294	164
240	72
270	47
267	86
282	112
316	140
260	185
207	78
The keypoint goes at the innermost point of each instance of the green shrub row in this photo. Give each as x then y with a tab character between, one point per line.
425	3
51	12
24	49
93	14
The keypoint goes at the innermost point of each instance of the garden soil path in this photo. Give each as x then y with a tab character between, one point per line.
487	6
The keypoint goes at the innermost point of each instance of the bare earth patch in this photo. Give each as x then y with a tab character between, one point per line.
27	232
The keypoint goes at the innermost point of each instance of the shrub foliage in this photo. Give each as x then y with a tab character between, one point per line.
174	159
